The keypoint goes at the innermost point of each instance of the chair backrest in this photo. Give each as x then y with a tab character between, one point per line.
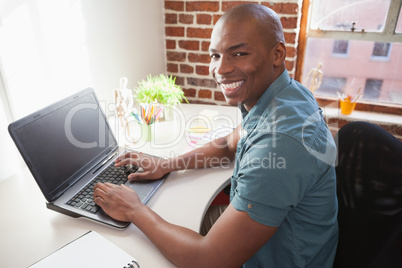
369	189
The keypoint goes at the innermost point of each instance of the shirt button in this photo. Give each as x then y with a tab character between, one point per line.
250	206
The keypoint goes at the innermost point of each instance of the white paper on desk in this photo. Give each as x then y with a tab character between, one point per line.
199	139
89	250
220	131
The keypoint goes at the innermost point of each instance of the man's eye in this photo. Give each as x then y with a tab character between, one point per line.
239	54
214	56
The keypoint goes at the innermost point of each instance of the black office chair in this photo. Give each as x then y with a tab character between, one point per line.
369	189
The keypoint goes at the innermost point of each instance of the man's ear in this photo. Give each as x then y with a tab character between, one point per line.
280	53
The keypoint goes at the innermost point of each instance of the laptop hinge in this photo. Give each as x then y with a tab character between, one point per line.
104	162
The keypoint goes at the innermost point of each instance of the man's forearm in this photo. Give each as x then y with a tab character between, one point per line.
180	245
214	154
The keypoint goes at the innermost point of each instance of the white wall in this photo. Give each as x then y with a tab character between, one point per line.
124	37
51	49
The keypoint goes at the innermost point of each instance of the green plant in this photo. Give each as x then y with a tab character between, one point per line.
161	89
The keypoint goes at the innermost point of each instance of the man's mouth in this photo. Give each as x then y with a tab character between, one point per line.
231	87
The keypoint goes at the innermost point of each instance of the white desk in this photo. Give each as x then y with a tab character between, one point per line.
29	231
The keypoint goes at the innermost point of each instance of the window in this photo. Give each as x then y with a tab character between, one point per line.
381	49
340	47
372	89
356	42
330	85
42	45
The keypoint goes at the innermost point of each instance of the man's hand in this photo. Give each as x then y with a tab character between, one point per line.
118	201
153	168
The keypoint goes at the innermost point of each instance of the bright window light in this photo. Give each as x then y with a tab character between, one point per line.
43	51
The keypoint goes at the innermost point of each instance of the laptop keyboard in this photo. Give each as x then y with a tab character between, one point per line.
84	198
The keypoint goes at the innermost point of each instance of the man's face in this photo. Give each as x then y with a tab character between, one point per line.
241	62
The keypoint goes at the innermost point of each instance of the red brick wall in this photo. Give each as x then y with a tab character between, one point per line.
188	27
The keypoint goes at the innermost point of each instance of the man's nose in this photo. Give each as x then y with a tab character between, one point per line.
223	66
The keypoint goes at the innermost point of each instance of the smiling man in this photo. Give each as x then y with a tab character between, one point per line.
283	205
246	55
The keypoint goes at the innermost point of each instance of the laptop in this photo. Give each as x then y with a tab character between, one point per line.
66	146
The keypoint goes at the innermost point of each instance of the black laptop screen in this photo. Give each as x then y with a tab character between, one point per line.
64	141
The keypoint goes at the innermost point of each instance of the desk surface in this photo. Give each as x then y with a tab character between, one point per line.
30	231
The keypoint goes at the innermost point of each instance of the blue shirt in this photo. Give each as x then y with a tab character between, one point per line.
284	177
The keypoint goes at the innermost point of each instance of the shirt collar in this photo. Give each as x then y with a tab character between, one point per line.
251	118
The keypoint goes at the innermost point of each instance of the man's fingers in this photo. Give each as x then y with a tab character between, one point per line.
99	200
126	162
139	176
101	189
133	159
98	194
131	155
102	193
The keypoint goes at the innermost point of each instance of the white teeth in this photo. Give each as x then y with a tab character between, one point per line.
232	85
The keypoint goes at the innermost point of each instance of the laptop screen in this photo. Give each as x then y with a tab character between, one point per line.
64	141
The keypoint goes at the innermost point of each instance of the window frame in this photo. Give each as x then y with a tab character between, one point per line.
372	83
388	34
382	58
338	54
